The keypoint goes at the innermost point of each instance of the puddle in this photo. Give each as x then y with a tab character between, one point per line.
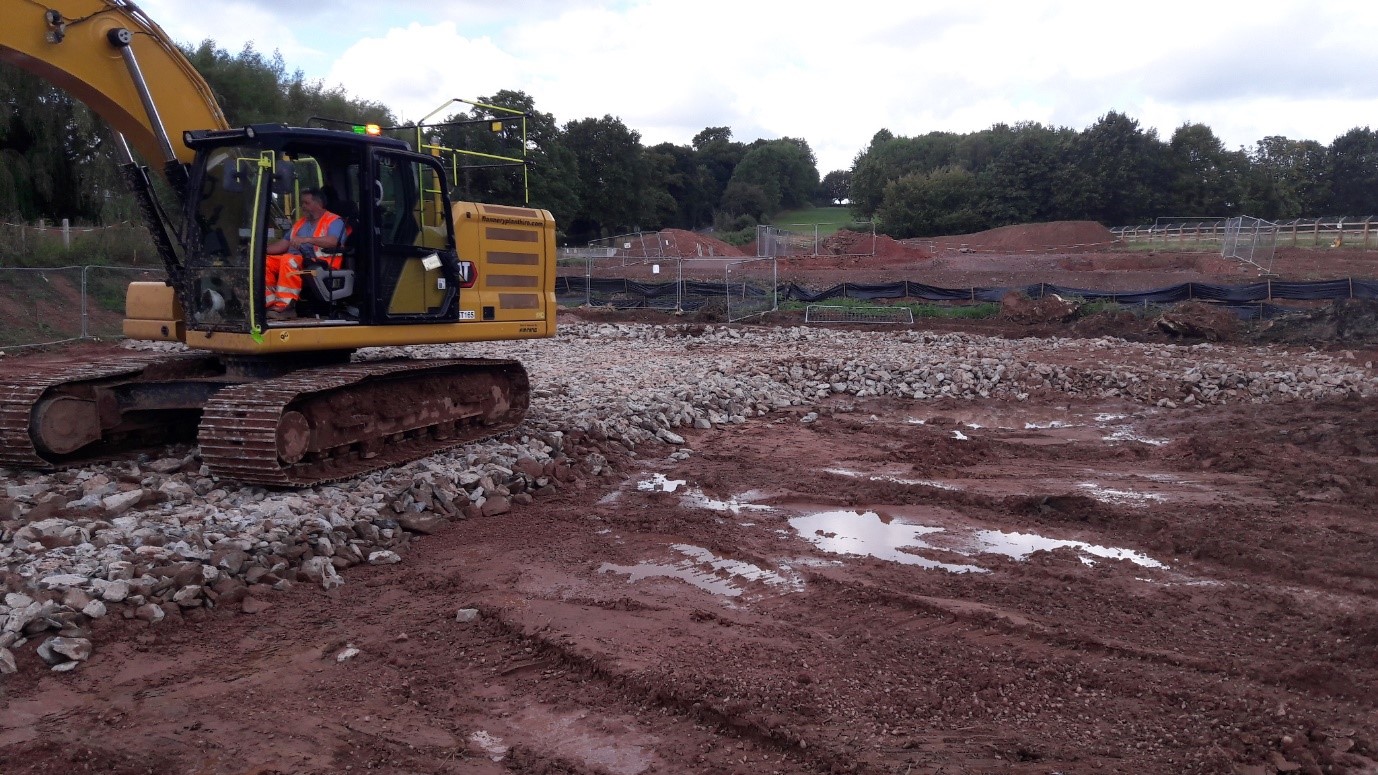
704	570
1021	545
867	533
896	479
696	499
659	483
1128	434
1049	425
1121	497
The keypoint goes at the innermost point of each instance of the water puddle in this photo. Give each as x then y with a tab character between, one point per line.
705	570
696	499
868	533
1121	497
659	483
894	479
1021	545
1128	434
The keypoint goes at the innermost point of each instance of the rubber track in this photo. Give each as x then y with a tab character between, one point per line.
20	393
238	433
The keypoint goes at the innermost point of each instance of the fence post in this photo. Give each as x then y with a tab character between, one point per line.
84	313
66	234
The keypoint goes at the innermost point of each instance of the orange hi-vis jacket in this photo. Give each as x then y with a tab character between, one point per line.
282	273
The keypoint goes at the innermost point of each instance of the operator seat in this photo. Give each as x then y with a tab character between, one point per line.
332	285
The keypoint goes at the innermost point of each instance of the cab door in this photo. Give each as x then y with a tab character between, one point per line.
415	268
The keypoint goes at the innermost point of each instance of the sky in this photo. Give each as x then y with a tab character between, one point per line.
833	73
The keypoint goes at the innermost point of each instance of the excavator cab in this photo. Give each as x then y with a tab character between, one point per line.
400	260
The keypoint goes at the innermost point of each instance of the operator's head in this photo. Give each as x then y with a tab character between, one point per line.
312	203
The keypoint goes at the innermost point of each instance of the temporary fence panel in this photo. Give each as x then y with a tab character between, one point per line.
40	306
824	313
1251	240
746	300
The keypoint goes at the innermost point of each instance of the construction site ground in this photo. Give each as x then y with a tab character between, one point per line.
1055	585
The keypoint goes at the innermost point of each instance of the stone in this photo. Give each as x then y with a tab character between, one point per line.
498	504
466	615
94	609
150	613
253	605
7	665
78	649
347	653
321	571
61	580
384	557
119	503
423	523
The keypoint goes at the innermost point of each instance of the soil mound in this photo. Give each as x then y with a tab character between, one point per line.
1197	320
1054	237
1019	308
689	244
1353	321
852	243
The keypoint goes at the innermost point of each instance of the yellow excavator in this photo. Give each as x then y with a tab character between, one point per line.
280	403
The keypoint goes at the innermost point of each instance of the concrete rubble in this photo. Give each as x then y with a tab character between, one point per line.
159	537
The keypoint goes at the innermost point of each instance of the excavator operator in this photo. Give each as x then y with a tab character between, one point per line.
313	238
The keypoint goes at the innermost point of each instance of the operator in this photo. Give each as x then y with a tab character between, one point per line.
313	238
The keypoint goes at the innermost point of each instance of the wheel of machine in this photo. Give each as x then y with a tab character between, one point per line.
294	437
64	424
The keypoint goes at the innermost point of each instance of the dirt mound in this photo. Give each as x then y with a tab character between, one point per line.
1054	237
1019	308
1353	321
852	243
1197	320
689	244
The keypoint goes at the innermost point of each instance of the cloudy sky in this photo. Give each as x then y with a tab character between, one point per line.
834	73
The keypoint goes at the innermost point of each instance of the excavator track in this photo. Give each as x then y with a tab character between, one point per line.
327	424
20	395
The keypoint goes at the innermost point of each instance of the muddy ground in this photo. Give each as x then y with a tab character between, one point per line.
1049	586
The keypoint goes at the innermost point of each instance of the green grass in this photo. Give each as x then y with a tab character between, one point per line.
829	219
919	308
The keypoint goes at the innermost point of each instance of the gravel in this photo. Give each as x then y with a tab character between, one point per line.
159	536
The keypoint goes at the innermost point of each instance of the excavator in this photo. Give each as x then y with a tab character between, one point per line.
275	402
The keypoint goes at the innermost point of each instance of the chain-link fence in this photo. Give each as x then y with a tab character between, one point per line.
743	281
807	240
50	305
1251	240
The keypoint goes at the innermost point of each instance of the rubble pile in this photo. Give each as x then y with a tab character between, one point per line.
158	536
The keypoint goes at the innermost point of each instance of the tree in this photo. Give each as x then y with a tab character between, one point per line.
1114	172
253	89
784	170
835	187
56	157
1288	178
1019	184
1207	180
889	158
1354	173
611	176
926	204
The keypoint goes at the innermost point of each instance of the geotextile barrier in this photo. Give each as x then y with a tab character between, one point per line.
1249	301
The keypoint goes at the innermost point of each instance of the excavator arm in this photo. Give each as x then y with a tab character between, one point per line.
150	97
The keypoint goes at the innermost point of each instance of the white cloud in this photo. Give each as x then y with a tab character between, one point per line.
835	74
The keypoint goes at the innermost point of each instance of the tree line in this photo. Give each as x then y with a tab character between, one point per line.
1113	172
598	178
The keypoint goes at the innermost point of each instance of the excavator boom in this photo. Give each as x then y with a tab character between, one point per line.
98	51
